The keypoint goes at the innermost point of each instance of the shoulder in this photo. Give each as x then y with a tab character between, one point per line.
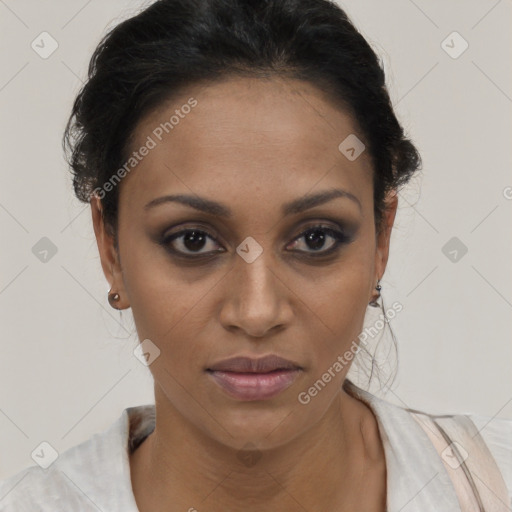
484	445
440	444
49	489
497	434
80	478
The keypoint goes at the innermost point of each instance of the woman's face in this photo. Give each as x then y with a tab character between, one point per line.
256	278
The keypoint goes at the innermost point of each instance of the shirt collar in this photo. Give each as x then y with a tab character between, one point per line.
416	477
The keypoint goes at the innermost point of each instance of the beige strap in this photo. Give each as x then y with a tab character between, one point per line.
476	477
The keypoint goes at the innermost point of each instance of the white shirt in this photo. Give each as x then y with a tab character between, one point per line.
95	475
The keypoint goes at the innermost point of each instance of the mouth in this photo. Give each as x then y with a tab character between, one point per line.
249	379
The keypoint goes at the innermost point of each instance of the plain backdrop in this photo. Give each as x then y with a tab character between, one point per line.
67	368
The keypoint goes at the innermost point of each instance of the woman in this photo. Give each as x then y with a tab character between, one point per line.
242	162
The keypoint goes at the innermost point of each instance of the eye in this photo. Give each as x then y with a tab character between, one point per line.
315	238
194	242
189	242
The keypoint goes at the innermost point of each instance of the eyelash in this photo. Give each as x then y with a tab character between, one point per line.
339	237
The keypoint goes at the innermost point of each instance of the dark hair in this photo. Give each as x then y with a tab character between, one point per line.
149	58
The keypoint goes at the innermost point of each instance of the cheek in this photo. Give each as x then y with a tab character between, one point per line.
336	303
340	311
171	314
163	301
338	293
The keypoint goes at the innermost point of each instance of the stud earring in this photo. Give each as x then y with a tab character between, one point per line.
374	302
113	298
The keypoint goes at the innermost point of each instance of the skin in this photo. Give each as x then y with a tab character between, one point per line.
252	144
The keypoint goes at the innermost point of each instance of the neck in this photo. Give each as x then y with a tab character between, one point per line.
321	469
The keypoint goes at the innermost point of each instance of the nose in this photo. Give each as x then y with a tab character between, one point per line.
256	300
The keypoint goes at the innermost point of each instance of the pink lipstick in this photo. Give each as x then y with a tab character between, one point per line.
249	379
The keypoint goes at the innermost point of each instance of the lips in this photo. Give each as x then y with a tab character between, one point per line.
248	379
265	364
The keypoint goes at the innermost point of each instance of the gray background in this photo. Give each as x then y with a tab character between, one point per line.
67	367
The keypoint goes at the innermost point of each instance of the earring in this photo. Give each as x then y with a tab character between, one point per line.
113	298
374	302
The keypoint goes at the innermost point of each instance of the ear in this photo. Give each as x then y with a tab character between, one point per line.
384	234
110	261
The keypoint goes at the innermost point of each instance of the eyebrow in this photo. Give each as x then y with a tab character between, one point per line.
293	207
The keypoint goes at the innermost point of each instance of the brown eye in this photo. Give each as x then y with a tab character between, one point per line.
317	237
193	243
189	242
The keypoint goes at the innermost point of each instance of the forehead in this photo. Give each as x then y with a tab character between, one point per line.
275	136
